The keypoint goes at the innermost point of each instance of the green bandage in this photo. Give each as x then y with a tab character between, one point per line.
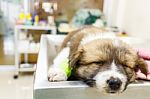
65	67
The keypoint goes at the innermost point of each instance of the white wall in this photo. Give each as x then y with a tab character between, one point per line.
136	19
132	16
110	11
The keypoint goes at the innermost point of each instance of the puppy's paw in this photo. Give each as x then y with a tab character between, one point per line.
55	74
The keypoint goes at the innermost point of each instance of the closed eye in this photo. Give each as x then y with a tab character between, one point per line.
127	66
95	62
99	62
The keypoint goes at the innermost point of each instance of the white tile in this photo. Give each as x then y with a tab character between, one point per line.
21	88
7	68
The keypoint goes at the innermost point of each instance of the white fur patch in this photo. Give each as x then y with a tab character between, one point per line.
56	74
64	54
102	77
113	67
91	37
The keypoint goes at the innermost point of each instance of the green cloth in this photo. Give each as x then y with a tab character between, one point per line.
65	67
82	17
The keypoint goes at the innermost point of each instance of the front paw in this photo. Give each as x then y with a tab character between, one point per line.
55	74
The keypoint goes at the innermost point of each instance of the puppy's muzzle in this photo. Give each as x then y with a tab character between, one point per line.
114	84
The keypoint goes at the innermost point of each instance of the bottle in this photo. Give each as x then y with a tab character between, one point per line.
36	20
28	19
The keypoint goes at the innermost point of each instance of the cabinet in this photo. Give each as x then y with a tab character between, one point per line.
19	47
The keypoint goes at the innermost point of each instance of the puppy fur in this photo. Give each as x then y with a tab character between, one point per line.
98	60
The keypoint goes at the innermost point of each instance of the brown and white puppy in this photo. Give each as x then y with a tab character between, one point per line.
99	60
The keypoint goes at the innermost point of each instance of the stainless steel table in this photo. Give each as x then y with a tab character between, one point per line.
75	89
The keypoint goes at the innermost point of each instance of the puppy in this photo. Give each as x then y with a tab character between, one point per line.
100	60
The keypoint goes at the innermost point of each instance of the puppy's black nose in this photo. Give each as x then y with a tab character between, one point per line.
114	84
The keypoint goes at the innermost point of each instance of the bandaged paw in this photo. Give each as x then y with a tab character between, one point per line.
60	70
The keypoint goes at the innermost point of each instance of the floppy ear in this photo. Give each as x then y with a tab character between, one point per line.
74	58
141	64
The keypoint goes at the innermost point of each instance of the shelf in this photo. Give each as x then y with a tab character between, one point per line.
26	46
27	69
35	27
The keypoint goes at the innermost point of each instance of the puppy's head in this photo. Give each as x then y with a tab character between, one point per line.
106	64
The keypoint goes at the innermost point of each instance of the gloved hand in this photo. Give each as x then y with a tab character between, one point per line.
145	54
